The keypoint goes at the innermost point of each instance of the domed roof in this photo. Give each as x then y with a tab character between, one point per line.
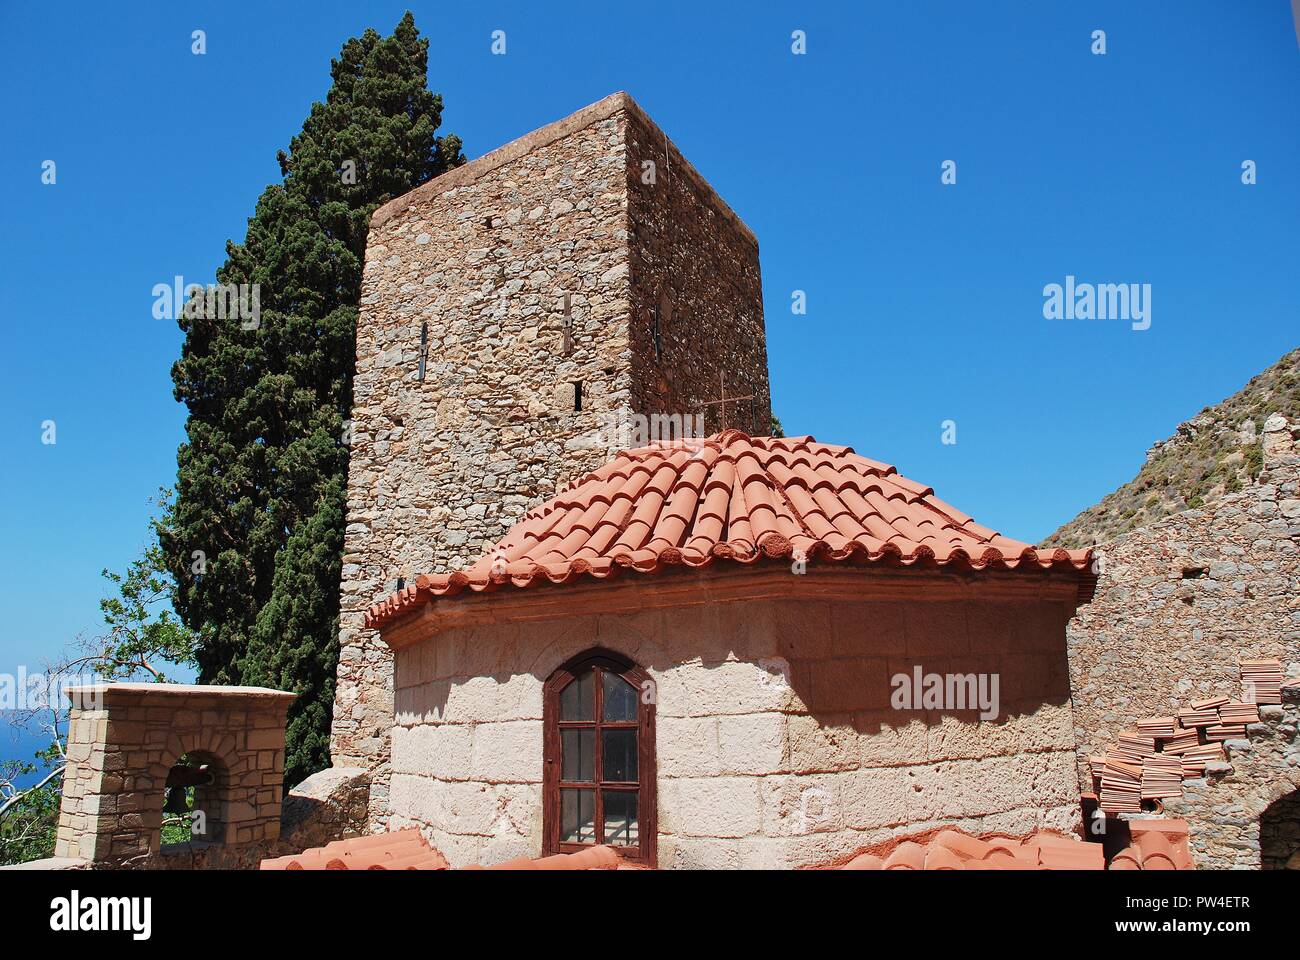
733	498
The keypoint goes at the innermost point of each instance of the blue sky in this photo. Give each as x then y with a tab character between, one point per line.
924	300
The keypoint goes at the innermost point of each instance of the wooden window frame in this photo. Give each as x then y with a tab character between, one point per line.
646	789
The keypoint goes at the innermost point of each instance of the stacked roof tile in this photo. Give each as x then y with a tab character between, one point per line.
1262	680
1151	762
740	499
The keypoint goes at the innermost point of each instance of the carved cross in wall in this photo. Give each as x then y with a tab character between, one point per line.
722	401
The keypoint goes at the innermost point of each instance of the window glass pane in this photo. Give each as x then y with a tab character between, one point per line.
618	758
620	818
578	754
620	698
577	816
577	700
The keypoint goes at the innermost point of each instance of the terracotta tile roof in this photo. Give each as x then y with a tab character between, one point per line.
737	498
408	850
950	849
1152	762
1157	845
401	850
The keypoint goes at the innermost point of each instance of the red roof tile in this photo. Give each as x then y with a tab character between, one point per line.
1157	845
595	858
408	850
400	850
951	849
736	498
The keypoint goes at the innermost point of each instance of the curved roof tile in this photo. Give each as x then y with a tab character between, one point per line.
737	498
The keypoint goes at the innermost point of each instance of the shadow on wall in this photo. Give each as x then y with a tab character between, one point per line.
863	667
1279	834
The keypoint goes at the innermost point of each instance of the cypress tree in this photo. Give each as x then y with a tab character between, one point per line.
256	538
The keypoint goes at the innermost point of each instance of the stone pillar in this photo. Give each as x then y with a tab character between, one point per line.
125	738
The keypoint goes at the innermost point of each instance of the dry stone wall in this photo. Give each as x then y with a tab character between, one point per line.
528	274
1178	605
1245	813
1181	603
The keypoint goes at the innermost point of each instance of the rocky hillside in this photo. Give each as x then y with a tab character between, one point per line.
1215	452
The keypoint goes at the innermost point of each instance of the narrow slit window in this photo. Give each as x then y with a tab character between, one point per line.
577	396
568	326
424	349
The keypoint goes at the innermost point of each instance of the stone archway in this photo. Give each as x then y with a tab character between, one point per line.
196	795
217	750
1279	833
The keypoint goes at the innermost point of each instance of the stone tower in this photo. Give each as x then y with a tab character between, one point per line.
517	315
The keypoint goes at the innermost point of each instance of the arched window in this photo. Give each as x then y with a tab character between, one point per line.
599	776
195	800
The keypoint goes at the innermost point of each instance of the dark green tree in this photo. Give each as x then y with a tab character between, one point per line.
257	533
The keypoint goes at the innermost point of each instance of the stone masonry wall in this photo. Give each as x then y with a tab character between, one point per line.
124	739
490	256
695	266
1180	603
776	742
1245	813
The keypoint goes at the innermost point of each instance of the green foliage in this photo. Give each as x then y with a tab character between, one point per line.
775	429
261	478
144	634
28	827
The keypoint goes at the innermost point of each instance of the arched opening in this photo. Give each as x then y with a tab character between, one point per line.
194	804
1279	834
599	757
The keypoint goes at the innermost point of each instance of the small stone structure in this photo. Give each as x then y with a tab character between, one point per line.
125	740
578	277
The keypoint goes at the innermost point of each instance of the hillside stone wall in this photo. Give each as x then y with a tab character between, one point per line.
1180	603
